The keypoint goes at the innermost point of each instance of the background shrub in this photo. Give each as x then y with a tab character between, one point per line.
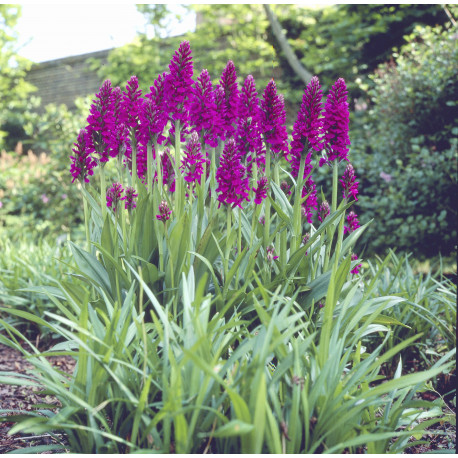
407	156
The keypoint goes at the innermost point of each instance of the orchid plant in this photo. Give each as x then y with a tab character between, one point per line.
224	311
215	165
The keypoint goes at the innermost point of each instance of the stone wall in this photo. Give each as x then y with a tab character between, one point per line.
63	80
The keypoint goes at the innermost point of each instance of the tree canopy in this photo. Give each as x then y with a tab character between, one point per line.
334	41
13	87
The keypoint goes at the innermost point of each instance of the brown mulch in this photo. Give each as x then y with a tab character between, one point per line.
23	398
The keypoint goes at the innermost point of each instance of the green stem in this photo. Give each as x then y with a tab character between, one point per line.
277	173
134	159
228	247
178	183
149	167
201	204
331	229
172	271
116	246
297	218
86	222
283	249
158	168
213	181
267	201
103	193
124	232
254	222
335	183
239	244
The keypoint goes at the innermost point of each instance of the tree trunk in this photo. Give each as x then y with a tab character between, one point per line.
293	61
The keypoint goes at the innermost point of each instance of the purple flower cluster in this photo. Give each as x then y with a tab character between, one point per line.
273	119
164	212
153	115
325	211
168	171
193	160
261	190
307	136
228	100
129	198
203	116
349	183
82	162
178	83
248	133
353	223
114	195
131	104
308	128
357	268
336	121
270	250
233	182
122	122
101	123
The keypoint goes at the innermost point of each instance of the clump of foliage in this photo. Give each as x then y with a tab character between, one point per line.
407	153
24	264
36	197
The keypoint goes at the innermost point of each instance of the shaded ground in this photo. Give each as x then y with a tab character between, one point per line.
24	399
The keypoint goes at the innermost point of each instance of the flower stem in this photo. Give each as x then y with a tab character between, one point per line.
277	173
335	182
178	190
158	168
267	201
331	229
134	159
86	222
213	181
228	247
149	167
103	193
239	244
297	221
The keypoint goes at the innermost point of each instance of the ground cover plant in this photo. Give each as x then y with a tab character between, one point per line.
219	304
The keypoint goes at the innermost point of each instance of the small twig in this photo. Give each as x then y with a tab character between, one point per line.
447	12
52	436
211	437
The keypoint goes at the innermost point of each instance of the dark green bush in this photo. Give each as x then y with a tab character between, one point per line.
405	148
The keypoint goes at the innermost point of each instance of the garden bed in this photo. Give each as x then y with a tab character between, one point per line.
25	398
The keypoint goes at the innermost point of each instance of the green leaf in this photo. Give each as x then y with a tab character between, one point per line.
383	319
93	271
233	428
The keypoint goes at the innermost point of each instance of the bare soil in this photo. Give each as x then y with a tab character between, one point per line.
24	398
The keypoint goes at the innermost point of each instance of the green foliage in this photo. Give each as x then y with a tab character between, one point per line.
407	154
37	196
428	307
191	338
335	41
54	128
13	88
24	264
201	381
226	30
349	41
